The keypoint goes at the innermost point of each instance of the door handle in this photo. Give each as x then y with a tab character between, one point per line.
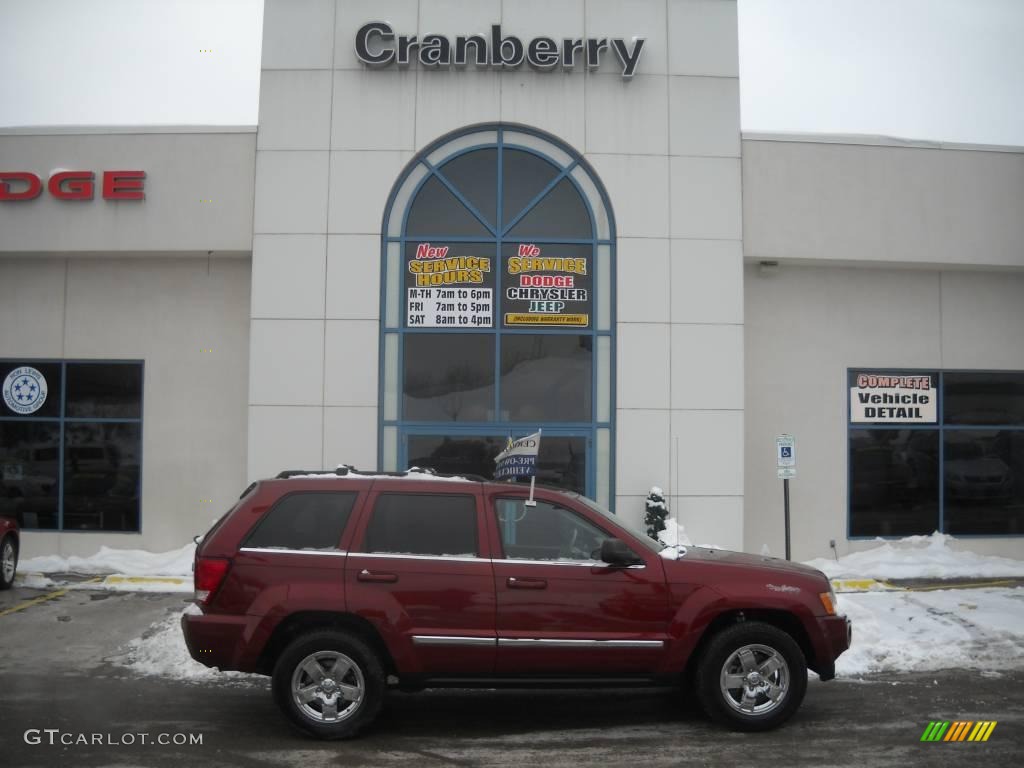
517	583
381	578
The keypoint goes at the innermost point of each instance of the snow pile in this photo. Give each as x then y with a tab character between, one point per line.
161	652
674	534
924	631
128	562
919	557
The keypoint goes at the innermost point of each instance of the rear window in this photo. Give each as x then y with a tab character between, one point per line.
410	524
304	521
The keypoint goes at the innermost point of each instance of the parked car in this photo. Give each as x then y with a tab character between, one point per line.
342	585
9	544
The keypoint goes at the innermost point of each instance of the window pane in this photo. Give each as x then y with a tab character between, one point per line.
983	398
475	175
449	377
304	521
894	487
984	481
436	211
29	469
423	525
560	213
455	455
546	532
101	476
30	389
546	378
104	390
524	176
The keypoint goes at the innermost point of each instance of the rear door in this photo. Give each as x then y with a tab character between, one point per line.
560	610
419	572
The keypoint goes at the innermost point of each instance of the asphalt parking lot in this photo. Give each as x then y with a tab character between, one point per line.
56	672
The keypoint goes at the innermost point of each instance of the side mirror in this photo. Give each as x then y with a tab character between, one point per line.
615	552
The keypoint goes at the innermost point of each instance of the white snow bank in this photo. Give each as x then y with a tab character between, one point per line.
923	631
919	557
161	652
129	562
674	534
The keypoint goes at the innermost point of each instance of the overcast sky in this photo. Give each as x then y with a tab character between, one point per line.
948	70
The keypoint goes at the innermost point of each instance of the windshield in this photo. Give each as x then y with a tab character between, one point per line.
647	541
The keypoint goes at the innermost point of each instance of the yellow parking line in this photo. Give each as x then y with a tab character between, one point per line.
41	599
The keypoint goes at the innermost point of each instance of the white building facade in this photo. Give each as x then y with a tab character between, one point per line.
532	215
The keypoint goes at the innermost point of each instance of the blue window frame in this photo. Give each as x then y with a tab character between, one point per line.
71	444
457	379
955	466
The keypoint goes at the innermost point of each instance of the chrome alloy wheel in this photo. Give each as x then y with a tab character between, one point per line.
8	562
328	687
755	680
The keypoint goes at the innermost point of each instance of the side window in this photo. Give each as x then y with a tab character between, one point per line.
411	524
546	532
304	521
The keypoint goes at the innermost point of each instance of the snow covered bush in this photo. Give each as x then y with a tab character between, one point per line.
657	512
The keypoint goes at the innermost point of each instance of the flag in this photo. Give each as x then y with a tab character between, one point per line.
519	459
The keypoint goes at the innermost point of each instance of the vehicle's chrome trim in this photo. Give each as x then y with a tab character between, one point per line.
282	551
452	640
571	564
544	642
445	558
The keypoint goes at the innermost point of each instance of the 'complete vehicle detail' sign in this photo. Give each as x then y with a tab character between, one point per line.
878	397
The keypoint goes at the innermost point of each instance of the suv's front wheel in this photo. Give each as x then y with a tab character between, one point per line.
329	683
752	676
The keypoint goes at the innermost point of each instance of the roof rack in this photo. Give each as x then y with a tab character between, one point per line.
345	470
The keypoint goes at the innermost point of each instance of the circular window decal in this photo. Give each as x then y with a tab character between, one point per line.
25	390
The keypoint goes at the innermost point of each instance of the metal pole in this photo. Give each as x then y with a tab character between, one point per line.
785	496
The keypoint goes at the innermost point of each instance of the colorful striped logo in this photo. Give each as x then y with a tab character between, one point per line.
958	730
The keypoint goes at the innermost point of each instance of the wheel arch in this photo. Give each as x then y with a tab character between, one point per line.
303	622
783	620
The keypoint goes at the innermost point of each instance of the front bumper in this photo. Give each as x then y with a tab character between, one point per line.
836	636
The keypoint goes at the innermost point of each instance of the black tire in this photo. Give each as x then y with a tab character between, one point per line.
764	643
363	671
8	542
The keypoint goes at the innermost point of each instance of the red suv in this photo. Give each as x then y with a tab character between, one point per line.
341	584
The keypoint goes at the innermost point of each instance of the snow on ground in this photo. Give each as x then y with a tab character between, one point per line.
938	556
161	651
921	631
129	562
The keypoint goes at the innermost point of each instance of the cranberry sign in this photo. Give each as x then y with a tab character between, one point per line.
72	185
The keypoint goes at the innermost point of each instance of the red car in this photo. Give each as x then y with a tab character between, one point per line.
341	585
9	544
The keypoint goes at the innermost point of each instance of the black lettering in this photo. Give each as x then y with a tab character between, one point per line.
569	49
628	59
479	49
363	53
499	46
435	50
594	48
405	46
542	53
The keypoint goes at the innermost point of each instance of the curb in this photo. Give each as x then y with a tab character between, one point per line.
863	585
129	580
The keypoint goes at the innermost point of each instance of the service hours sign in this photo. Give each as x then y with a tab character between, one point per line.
449	286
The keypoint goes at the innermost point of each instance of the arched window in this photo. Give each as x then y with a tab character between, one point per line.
497	313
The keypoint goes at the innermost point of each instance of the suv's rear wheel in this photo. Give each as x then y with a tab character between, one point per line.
8	561
752	676
329	683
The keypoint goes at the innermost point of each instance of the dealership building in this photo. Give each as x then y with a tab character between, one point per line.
462	221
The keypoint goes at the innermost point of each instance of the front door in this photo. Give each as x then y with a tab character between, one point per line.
560	610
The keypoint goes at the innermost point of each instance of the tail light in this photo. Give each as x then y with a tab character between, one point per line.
210	572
